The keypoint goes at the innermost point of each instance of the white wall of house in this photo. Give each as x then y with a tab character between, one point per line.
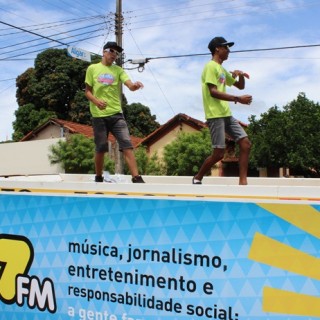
49	132
27	158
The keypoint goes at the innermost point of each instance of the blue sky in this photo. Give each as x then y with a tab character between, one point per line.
161	28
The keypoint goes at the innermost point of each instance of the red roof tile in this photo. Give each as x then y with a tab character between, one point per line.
74	128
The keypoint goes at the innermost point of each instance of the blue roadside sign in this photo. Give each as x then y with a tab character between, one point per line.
79	54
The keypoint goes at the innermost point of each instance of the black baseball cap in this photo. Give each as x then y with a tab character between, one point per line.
218	42
112	45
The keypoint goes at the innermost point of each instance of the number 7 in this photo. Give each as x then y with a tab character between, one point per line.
16	256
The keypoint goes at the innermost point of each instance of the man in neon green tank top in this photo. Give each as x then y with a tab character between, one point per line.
214	80
103	81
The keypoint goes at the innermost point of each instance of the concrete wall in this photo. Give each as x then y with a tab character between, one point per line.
27	158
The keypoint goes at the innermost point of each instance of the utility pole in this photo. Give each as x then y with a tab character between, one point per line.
119	62
118	27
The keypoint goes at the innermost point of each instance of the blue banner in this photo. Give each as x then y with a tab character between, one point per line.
117	258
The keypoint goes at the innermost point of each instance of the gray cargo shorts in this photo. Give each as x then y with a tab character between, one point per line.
117	125
220	126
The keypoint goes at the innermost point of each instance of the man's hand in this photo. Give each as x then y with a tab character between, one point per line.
101	104
239	73
137	85
245	99
133	86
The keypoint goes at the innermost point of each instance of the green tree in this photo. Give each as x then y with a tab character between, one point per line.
142	160
185	155
28	118
79	109
76	155
148	166
23	83
155	166
302	118
140	121
268	136
288	138
56	85
53	83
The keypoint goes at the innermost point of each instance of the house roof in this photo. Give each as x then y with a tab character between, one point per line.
86	130
177	120
73	128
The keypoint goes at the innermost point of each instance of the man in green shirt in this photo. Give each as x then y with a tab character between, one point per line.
214	80
103	81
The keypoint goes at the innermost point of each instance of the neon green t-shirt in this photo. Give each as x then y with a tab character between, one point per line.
105	82
214	73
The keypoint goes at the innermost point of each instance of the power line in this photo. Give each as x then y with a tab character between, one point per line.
31	32
51	38
53	35
193	13
279	48
43	43
154	78
237	51
105	24
39	50
68	4
205	17
50	25
151	58
82	4
3	80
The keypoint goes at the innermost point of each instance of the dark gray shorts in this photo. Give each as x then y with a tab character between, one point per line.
220	126
117	125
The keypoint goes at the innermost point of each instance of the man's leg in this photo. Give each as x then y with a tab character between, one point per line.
132	165
244	145
236	131
121	132
99	163
131	162
216	156
100	140
217	134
